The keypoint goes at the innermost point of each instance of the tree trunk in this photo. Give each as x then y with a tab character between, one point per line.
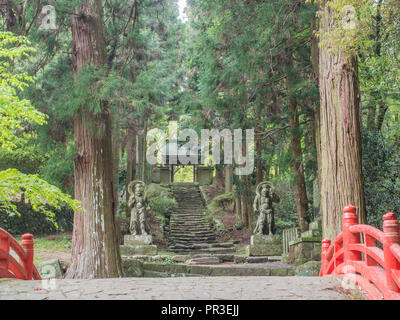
116	143
6	8
260	163
130	158
341	181
95	247
317	140
228	178
143	154
297	166
381	115
245	211
371	115
219	177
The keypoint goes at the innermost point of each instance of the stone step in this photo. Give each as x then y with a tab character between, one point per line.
197	239
192	233
185	230
185	226
177	224
183	223
190	229
187	216
189	219
208	267
193	241
200	251
205	245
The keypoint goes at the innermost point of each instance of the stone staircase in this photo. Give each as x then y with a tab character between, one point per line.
190	232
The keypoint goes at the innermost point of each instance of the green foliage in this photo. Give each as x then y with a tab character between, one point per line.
161	202
23	156
38	192
285	210
216	207
184	174
31	221
14	111
15	114
381	167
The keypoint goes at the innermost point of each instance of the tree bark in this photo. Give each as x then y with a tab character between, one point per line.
219	177
371	116
341	180
7	10
116	143
228	178
95	247
383	107
131	157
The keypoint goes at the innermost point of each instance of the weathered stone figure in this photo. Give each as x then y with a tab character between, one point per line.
139	207
263	205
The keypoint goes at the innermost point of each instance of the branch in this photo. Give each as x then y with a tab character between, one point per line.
34	17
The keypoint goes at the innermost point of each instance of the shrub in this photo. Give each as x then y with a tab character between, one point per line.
161	202
36	223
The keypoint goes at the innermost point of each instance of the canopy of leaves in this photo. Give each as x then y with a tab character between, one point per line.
17	115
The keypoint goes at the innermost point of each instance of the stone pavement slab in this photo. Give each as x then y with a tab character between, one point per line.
209	288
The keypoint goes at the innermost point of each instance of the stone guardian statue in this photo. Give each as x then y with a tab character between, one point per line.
263	206
139	207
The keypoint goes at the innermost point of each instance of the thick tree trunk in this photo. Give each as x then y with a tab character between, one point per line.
317	140
297	166
340	133
95	248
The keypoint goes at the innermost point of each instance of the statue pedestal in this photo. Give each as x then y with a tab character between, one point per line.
138	245
264	245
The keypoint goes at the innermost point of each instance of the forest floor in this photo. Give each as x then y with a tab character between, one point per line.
57	246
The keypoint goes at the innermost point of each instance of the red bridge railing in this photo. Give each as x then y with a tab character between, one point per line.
10	267
356	254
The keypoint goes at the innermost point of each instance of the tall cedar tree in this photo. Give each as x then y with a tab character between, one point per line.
341	181
95	250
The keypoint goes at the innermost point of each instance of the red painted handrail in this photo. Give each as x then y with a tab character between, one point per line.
11	268
355	255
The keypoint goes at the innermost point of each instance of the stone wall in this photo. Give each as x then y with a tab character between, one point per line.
308	246
287	236
137	268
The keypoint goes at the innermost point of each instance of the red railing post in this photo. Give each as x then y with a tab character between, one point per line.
4	246
391	235
324	248
27	245
349	219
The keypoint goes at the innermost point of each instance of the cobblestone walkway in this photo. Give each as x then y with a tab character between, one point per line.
194	288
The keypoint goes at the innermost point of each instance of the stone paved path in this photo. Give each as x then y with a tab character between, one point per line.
194	288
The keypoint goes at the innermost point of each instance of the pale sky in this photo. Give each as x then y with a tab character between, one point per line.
182	5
